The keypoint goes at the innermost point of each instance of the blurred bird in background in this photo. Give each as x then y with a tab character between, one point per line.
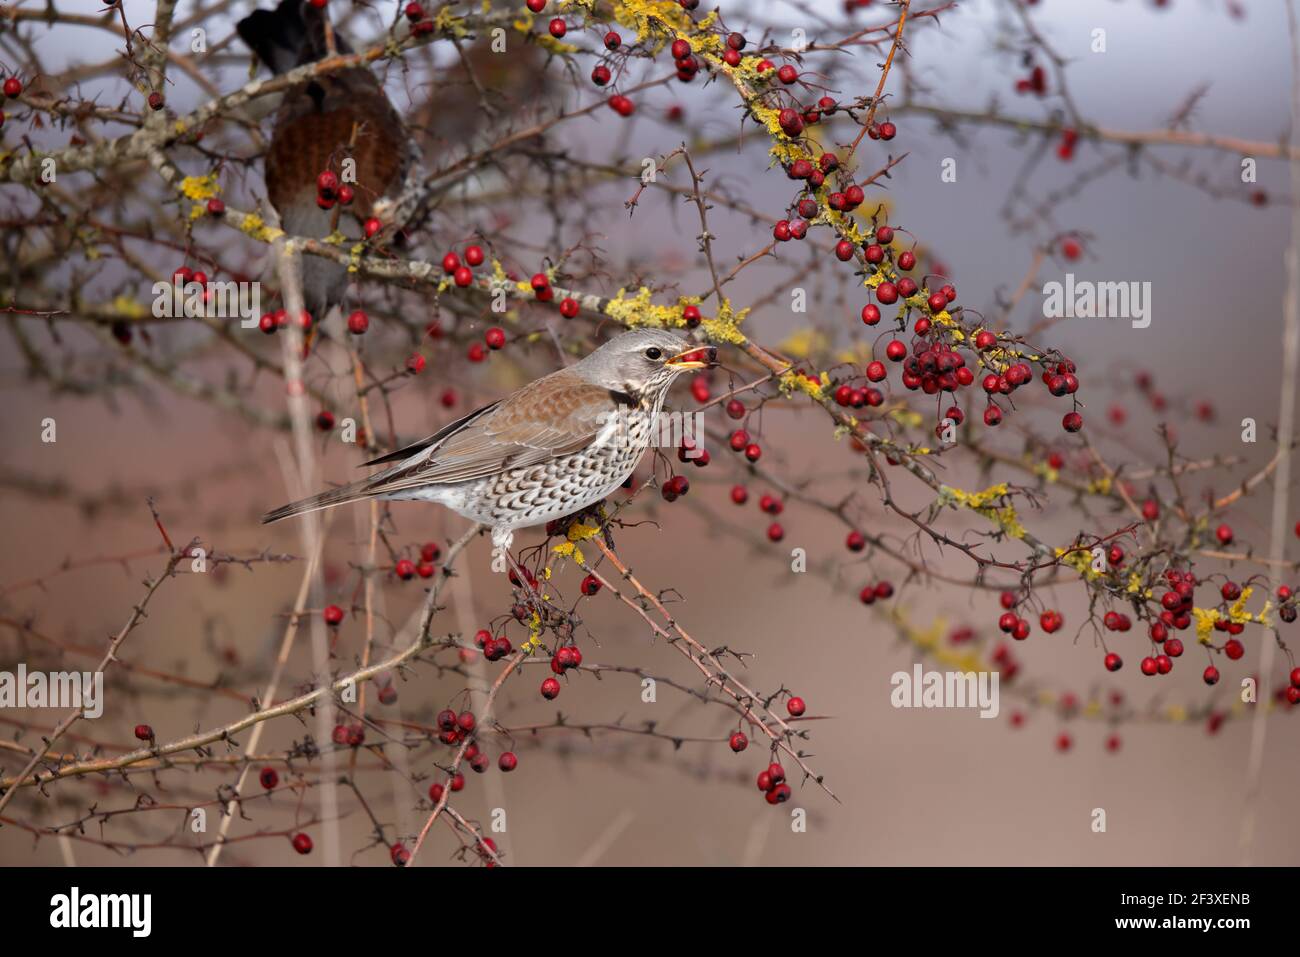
338	145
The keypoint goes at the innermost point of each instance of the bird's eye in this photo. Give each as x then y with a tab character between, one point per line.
653	353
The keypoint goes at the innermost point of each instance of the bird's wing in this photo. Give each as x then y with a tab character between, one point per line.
554	416
451	428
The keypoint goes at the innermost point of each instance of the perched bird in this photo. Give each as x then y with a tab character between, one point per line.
550	449
338	123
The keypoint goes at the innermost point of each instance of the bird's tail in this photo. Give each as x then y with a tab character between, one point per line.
288	36
314	503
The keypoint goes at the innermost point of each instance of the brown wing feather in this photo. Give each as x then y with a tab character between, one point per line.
554	416
352	117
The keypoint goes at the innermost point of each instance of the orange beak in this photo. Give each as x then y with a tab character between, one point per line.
702	358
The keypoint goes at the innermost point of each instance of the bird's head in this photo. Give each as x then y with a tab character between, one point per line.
644	361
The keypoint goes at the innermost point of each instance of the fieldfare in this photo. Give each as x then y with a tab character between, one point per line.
554	447
340	123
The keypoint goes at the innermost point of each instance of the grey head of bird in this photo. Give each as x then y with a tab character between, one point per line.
643	361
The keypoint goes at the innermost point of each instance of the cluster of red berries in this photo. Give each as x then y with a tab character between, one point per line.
455	783
566	657
329	191
870	594
494	649
772	783
349	735
1035	82
460	268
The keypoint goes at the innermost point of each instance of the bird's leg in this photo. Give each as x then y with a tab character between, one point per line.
525	582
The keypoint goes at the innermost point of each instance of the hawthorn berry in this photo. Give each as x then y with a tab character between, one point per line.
333	615
1113	662
405	569
269	778
144	732
507	761
302	843
495	338
796	707
550	689
13	87
738	742
358	322
590	585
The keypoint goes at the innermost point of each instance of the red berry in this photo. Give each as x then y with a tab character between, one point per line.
358	322
507	761
372	227
333	615
1224	534
302	843
557	27
795	706
495	337
405	569
269	778
1113	662
1234	649
738	742
779	794
144	732
550	689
